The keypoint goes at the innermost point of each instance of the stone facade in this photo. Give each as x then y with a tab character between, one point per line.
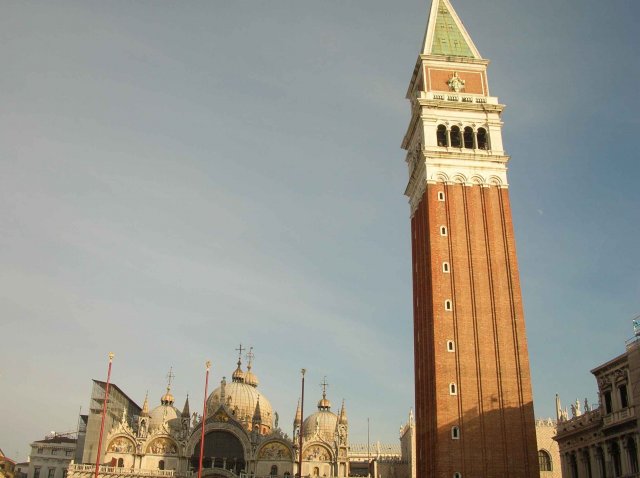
602	442
242	438
51	457
474	406
548	451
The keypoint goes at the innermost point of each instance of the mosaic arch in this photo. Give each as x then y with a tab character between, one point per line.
162	446
275	451
317	453
121	445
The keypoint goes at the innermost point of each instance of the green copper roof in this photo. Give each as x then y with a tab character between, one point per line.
448	40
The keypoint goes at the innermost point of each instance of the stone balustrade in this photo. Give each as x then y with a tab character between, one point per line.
82	471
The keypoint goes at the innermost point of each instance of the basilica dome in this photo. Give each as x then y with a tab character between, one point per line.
241	398
165	412
322	423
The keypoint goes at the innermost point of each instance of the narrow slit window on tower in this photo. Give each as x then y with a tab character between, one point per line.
451	346
443	230
483	139
448	306
453	389
456	139
455	433
442	136
468	138
445	267
440	196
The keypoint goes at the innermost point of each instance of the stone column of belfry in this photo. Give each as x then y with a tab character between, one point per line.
474	409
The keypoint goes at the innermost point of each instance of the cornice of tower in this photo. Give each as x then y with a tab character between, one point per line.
453	170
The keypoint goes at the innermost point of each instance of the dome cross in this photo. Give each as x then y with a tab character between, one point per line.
250	356
240	350
324	386
170	377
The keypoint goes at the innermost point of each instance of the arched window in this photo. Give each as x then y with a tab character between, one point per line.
468	138
544	460
456	137
632	450
451	346
443	230
457	475
483	139
161	465
448	305
440	196
120	463
274	470
616	458
455	433
316	471
453	389
445	267
442	135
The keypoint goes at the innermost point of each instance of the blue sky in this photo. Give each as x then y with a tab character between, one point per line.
179	177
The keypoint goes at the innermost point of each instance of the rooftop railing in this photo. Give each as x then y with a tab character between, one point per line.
457	97
120	471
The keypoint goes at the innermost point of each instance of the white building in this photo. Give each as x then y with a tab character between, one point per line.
50	457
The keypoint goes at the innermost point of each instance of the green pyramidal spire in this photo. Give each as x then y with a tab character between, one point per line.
448	39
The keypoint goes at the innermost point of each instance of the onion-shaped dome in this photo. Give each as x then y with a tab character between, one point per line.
238	375
250	378
324	403
167	398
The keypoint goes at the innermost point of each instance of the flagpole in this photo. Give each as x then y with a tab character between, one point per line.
204	418
104	413
303	371
368	449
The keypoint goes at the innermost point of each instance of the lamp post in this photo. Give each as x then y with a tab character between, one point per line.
303	371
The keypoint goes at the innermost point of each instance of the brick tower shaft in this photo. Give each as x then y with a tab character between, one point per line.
474	409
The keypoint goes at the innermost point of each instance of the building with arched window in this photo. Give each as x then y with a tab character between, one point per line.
548	451
603	441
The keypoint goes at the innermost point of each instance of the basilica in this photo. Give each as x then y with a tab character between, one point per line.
242	437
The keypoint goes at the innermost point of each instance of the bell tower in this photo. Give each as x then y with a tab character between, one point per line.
474	409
